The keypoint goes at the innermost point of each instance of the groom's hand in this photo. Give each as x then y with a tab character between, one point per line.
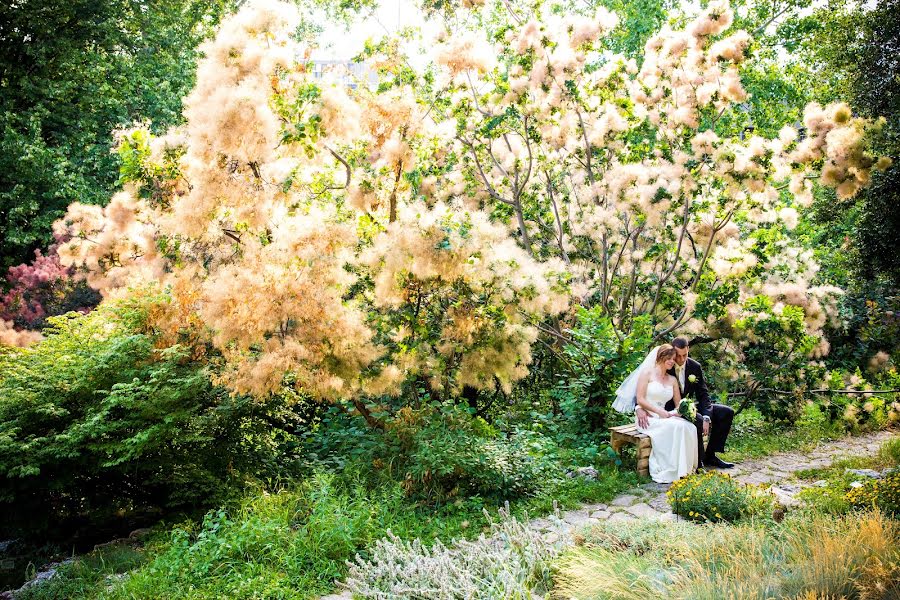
705	427
643	418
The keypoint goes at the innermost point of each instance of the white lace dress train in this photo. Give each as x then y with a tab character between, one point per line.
674	451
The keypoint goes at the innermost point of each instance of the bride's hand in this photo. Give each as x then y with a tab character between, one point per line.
665	414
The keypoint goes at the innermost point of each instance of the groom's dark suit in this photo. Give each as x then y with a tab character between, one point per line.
720	416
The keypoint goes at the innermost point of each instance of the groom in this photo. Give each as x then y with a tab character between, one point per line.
712	419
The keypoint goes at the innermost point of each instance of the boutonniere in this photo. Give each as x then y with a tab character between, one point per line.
692	378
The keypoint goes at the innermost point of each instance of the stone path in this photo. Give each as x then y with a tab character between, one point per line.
648	501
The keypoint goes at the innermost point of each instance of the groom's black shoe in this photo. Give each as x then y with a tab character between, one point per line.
715	461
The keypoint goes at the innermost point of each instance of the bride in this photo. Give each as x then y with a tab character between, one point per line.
674	440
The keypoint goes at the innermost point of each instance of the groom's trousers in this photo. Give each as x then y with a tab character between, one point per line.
719	427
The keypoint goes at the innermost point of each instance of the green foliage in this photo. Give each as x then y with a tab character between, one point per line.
837	496
441	455
752	436
710	497
71	73
777	356
96	419
454	454
853	48
889	453
598	361
882	494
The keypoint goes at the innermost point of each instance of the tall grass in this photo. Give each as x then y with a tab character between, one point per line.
807	556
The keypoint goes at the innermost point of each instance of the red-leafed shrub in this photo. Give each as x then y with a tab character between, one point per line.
43	288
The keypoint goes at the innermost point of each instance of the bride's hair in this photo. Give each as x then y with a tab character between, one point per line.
664	353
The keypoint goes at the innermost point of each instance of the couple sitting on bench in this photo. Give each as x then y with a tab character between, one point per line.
654	391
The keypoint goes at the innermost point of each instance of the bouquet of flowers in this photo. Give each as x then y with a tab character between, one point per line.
688	410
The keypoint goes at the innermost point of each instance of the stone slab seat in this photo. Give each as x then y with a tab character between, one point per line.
628	434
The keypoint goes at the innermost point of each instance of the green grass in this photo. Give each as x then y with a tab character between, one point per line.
831	498
753	437
88	575
293	544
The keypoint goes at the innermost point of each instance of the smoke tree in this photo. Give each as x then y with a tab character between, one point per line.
349	240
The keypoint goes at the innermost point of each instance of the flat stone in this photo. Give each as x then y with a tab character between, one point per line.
593	507
790	488
784	498
583	472
756	478
625	500
660	503
820	483
601	514
642	510
656	487
577	518
341	596
540	524
668	516
856	484
620	516
865	473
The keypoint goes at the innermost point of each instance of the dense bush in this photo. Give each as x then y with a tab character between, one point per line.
883	494
710	497
597	360
43	288
438	452
97	420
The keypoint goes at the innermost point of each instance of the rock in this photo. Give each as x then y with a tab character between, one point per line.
656	487
594	507
625	500
140	534
583	472
642	510
115	542
48	573
784	498
341	596
865	473
5	545
856	484
577	518
660	503
600	514
540	524
790	488
620	516
820	483
668	516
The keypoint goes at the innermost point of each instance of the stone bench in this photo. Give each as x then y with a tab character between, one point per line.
628	434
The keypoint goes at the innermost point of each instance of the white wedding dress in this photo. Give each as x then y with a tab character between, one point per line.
674	451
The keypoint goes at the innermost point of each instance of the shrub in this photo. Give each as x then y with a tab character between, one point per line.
438	451
889	453
883	494
41	289
96	420
509	562
453	455
598	360
710	497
